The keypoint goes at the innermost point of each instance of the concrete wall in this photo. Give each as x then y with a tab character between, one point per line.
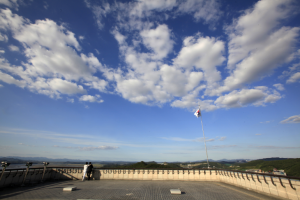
286	188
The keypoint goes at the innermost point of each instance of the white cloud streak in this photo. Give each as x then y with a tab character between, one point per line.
291	120
89	148
178	139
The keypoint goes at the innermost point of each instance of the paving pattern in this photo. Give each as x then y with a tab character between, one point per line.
130	189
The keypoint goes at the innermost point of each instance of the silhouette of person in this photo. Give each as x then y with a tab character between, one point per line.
89	170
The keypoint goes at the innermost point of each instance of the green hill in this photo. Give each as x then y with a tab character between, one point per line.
290	166
143	165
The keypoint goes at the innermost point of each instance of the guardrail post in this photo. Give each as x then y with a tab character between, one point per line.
28	164
4	165
45	167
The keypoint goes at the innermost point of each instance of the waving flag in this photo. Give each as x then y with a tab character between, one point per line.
197	113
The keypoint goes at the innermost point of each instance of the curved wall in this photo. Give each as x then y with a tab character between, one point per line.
286	187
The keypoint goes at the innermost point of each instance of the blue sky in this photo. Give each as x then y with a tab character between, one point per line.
120	80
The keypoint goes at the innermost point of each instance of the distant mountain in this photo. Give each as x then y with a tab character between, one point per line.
273	158
19	160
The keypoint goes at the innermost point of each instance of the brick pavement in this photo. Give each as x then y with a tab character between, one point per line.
130	189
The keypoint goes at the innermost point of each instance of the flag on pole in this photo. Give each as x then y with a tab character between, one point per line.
197	113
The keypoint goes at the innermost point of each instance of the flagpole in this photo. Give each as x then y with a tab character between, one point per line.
204	139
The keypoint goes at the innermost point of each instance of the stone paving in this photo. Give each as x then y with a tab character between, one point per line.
130	189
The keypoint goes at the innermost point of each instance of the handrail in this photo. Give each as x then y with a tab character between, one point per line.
263	174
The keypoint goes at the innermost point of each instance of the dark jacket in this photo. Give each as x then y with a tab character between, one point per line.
90	168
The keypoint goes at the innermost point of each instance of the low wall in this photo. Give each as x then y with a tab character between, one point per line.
285	187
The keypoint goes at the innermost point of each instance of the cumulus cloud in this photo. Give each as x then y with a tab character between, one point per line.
279	86
91	98
257	97
158	40
291	120
53	67
66	87
203	53
11	80
258	44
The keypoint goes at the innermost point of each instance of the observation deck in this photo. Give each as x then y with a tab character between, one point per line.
146	184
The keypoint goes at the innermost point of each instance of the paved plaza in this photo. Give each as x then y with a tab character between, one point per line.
125	189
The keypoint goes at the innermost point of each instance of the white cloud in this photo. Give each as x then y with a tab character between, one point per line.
294	78
158	40
3	37
144	8
257	134
1	85
99	12
81	37
222	138
178	139
256	45
74	139
221	146
10	3
206	10
88	148
91	98
46	6
190	101
291	120
253	29
203	53
70	100
13	48
266	122
11	80
279	86
66	87
53	67
257	97
273	147
2	51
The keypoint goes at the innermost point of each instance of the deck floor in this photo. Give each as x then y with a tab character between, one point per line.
130	189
